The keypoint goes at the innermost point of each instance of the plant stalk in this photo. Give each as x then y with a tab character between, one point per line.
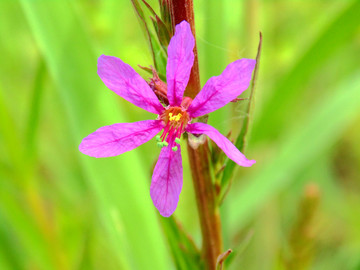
199	158
209	214
184	10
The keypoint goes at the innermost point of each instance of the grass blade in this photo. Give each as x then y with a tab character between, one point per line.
240	141
72	63
336	36
314	134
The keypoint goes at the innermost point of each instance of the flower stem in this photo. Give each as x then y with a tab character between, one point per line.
208	209
183	10
199	158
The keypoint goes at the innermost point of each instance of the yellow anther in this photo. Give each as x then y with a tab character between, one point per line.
175	118
178	117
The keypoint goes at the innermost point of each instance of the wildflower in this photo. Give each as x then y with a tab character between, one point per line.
173	120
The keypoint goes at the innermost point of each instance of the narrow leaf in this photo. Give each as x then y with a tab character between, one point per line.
72	64
305	141
338	34
184	252
240	141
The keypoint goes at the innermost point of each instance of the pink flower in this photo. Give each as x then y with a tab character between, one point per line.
174	119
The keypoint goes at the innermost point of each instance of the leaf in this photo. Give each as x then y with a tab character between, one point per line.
27	231
240	141
144	26
165	14
8	248
162	32
34	110
330	42
71	60
185	253
221	259
302	144
156	48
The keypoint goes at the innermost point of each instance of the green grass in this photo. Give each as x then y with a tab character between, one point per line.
60	209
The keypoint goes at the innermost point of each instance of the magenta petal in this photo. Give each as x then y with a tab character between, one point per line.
116	139
220	90
124	81
166	181
224	144
179	63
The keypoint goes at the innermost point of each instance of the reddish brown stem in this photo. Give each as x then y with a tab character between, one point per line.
199	158
208	210
184	10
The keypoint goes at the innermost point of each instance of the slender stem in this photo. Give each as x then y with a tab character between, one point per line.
199	158
208	210
184	10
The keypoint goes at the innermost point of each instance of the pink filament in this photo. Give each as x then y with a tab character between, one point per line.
169	132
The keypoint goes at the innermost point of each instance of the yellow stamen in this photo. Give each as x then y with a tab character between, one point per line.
175	118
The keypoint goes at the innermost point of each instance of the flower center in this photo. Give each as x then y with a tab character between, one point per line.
175	120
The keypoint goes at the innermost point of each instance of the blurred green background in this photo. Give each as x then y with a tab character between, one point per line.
298	207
